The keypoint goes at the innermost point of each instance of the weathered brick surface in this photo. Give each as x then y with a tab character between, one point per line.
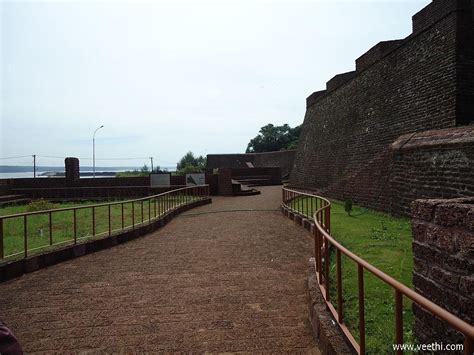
443	250
72	168
283	160
420	83
225	182
114	187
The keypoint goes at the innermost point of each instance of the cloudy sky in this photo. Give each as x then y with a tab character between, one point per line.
168	77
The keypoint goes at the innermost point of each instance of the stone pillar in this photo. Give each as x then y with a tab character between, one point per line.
72	168
443	251
225	182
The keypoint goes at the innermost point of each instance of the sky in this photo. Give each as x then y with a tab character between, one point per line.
167	77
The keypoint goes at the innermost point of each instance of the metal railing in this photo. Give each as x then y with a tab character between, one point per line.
298	201
105	219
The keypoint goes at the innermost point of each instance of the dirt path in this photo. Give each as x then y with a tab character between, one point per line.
206	282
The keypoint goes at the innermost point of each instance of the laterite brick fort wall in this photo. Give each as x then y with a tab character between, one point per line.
423	82
282	159
437	163
443	250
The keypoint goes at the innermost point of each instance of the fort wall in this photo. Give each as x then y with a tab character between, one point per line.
419	83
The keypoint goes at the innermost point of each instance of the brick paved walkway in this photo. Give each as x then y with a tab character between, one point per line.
210	282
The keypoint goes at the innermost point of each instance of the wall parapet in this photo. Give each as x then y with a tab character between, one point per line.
338	80
433	138
432	164
376	53
434	12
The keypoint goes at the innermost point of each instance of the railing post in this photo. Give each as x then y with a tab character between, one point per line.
141	203
50	228
300	204
360	277
326	267
25	234
133	215
398	320
154	207
307	210
316	247
149	210
93	221
339	285
2	254
123	218
75	225
110	222
327	223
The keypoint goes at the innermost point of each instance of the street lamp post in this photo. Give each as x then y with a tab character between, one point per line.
93	151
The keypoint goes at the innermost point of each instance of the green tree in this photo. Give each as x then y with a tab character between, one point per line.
189	163
145	170
274	138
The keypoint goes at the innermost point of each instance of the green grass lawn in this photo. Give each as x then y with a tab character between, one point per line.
38	231
385	242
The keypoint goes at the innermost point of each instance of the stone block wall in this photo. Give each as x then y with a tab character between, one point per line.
431	164
282	159
225	182
72	169
443	250
272	175
419	83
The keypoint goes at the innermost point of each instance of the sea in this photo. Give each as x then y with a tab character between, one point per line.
110	172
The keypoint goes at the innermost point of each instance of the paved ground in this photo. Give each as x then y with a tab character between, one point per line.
210	282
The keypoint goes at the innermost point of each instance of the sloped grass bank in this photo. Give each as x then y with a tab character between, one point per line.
385	242
39	236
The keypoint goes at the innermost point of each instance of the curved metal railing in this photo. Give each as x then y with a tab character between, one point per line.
294	200
150	208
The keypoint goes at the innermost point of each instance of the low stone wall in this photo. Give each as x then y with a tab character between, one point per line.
281	159
271	174
225	182
443	250
90	188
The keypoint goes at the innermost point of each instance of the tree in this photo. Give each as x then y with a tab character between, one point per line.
274	138
145	170
191	164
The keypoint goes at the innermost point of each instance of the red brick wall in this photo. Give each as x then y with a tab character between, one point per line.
423	82
443	250
432	164
282	159
225	182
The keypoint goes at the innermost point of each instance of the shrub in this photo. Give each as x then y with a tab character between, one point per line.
348	206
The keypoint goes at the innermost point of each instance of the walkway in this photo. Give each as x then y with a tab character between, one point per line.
206	282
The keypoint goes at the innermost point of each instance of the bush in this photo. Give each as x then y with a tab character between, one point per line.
348	206
40	205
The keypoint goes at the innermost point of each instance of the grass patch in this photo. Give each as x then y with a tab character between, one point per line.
40	237
385	242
